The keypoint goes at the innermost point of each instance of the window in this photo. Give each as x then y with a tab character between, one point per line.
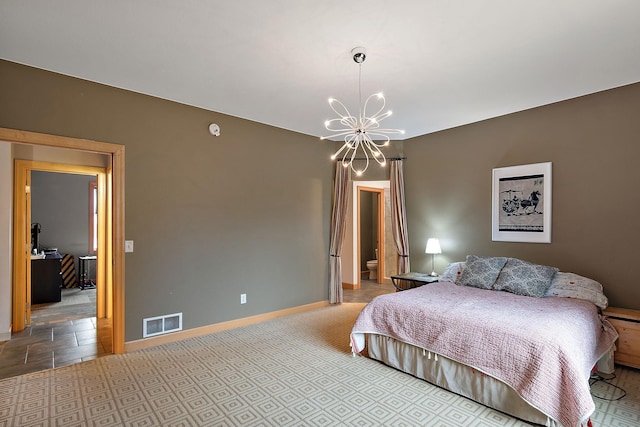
93	217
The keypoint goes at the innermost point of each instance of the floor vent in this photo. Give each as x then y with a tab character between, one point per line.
158	325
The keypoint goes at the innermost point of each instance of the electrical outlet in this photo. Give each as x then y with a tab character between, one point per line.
243	298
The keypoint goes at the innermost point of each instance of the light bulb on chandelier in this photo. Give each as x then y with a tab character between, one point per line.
361	133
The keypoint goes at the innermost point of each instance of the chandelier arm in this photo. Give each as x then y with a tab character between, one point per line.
359	172
387	130
340	132
376	153
337	153
348	121
380	158
345	162
385	140
352	140
344	159
381	117
337	130
370	123
333	101
379	96
352	150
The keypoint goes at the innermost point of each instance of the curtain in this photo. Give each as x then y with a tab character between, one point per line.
399	216
338	225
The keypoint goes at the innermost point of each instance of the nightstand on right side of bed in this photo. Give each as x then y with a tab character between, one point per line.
627	323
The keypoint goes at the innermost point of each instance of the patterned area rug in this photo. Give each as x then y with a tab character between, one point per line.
291	371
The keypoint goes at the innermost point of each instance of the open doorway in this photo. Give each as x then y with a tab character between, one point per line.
111	267
368	229
45	210
371	239
353	268
65	235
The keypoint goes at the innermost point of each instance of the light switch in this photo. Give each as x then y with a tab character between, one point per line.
128	245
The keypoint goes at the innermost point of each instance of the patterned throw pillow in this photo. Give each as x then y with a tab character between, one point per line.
481	272
524	278
452	272
570	285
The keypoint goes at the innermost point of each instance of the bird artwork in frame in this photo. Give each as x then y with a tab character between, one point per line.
521	203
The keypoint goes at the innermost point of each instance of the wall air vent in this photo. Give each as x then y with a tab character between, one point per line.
159	325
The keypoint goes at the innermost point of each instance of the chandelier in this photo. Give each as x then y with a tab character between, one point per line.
362	134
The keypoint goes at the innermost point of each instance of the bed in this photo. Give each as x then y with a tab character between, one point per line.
512	336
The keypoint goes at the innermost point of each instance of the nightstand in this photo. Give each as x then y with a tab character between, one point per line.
627	324
402	282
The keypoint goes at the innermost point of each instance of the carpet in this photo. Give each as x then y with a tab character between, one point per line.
291	371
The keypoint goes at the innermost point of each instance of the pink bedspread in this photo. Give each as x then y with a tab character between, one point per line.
544	348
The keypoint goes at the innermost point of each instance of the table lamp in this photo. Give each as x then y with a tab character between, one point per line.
433	248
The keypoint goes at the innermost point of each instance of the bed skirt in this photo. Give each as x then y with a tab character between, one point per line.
460	379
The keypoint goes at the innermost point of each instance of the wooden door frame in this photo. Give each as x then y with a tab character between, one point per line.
22	215
381	242
113	226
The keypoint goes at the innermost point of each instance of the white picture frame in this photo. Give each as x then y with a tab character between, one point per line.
521	203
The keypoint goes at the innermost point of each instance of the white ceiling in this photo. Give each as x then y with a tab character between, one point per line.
440	63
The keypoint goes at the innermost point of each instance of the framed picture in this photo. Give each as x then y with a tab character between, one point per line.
521	204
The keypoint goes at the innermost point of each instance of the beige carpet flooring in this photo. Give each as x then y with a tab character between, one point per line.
292	371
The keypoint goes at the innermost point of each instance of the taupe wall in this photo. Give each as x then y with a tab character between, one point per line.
211	218
215	217
594	144
60	203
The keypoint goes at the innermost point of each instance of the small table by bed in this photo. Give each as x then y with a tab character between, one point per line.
405	281
84	266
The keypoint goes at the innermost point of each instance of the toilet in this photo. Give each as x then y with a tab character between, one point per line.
372	266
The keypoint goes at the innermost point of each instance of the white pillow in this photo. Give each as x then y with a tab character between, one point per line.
452	272
570	285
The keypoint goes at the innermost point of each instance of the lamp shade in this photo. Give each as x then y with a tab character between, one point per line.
433	246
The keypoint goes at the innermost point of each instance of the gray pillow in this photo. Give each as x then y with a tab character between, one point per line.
525	278
481	272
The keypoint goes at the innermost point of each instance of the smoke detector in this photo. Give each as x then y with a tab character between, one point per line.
214	129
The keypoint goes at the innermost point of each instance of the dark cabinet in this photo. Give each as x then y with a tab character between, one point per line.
46	280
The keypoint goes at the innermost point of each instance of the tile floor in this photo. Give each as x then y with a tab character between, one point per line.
60	334
369	289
